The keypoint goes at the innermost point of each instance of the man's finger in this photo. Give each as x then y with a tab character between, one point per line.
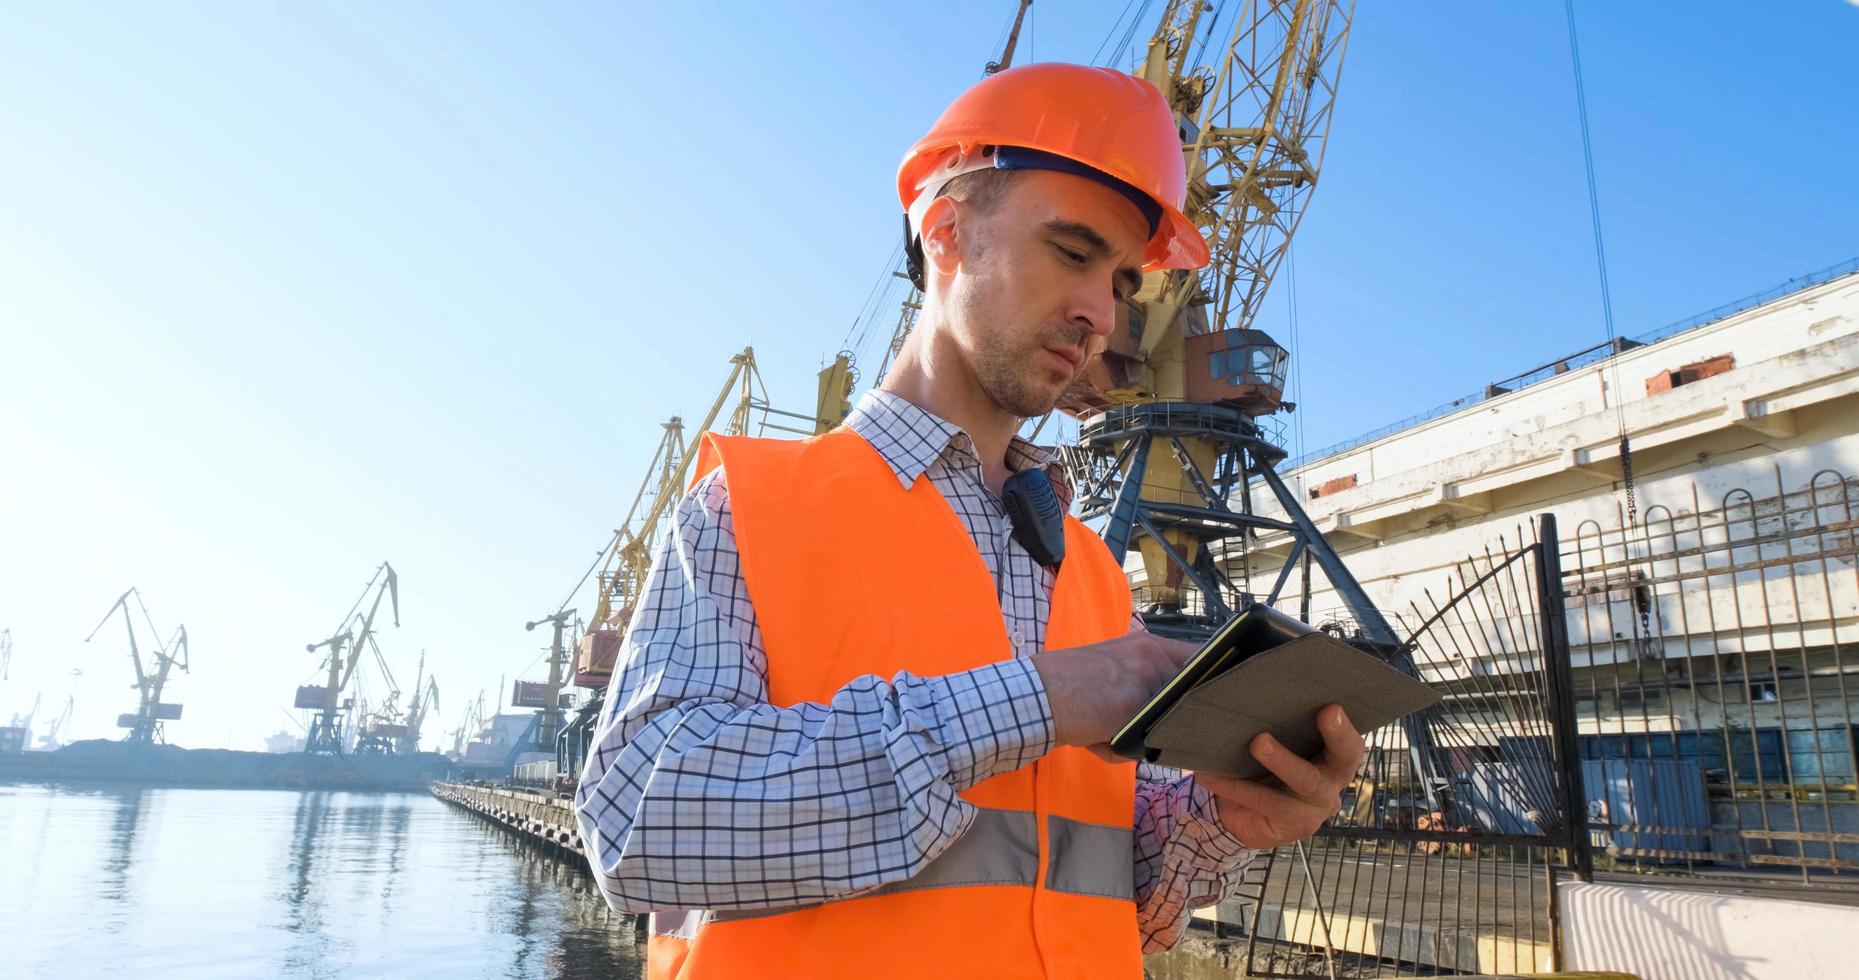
1303	779
1243	792
1343	749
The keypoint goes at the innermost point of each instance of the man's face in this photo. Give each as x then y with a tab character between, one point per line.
1035	292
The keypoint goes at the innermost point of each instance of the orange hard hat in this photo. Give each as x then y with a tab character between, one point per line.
1096	122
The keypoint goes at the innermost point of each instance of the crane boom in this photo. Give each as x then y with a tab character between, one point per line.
1013	38
145	725
25	721
425	700
630	551
1261	133
345	649
1169	412
549	720
468	726
129	625
1171	449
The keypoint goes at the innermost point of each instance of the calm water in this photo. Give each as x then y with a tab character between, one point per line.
169	883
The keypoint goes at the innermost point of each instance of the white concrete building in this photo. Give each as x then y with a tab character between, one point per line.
1405	509
1719	630
1713	643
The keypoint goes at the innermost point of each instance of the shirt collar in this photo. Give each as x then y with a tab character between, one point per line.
911	439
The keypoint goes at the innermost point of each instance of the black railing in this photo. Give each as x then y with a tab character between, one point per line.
1445	855
1716	647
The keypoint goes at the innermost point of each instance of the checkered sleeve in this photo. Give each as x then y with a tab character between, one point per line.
699	793
1185	858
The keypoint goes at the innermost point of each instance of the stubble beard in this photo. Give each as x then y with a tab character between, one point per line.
1014	378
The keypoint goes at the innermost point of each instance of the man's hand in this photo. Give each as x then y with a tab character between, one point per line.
1094	689
1264	817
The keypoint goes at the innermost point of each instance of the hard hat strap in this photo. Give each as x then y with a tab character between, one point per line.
913	257
1021	158
954	164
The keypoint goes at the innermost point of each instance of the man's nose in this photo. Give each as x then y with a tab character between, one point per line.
1095	308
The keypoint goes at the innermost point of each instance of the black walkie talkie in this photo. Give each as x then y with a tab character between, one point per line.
1034	511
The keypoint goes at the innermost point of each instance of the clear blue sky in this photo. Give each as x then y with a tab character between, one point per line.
289	289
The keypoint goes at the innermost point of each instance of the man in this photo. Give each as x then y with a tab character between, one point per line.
859	728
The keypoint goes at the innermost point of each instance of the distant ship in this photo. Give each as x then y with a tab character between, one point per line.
101	761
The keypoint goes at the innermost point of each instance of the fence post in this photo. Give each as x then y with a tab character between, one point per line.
1566	747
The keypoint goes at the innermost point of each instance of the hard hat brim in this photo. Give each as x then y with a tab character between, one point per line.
1176	244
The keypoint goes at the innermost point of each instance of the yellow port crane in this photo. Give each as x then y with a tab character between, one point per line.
740	408
425	701
50	741
24	722
1169	414
837	382
623	564
906	321
326	735
468	726
550	699
1170	447
145	725
383	729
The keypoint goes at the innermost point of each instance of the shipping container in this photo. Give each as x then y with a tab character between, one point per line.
1659	805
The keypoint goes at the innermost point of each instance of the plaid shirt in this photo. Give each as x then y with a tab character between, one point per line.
701	795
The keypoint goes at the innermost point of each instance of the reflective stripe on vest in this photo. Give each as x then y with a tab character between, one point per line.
852	574
1001	847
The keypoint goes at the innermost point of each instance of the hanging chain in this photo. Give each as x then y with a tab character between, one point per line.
1633	520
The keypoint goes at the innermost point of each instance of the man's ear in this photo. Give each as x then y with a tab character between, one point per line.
942	246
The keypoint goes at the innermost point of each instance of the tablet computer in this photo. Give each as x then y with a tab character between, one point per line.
1264	671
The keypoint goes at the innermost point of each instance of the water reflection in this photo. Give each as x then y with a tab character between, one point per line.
397	821
589	938
522	916
192	883
312	810
302	898
125	821
583	938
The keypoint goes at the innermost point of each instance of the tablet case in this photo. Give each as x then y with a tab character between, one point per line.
1250	679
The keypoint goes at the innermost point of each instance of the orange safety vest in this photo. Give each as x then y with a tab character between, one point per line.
851	574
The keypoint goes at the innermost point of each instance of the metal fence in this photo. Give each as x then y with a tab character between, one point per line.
1714	650
1445	856
1669	696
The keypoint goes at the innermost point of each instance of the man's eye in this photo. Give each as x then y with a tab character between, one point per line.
1075	258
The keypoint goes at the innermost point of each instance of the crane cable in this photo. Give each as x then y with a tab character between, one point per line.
1607	312
1105	43
873	301
1296	358
882	294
